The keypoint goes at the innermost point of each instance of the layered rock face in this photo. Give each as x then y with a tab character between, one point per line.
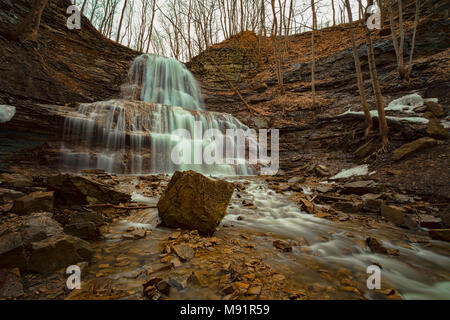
192	201
62	67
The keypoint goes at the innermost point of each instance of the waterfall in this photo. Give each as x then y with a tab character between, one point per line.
138	133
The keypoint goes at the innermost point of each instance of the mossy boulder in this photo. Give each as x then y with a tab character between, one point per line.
436	130
193	201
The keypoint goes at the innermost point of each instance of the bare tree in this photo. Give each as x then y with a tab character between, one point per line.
398	47
384	130
313	54
359	74
413	42
276	48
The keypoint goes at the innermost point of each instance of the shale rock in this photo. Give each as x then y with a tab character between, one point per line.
397	216
84	230
10	284
40	226
440	234
72	189
192	201
33	202
12	252
58	252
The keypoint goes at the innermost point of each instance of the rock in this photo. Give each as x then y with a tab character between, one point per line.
58	252
184	251
372	202
15	180
445	217
440	234
73	189
282	245
375	246
9	195
325	187
307	205
254	290
34	202
429	221
322	170
12	253
410	148
397	216
436	130
435	109
84	230
10	284
163	287
40	226
360	187
192	201
348	206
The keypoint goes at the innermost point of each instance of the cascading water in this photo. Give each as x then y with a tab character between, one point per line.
138	133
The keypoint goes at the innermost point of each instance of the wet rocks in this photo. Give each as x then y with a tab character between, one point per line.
375	246
58	252
440	234
283	245
184	251
34	202
192	201
397	216
412	147
78	190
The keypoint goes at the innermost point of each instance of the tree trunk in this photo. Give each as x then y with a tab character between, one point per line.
359	74
121	20
416	22
313	64
375	83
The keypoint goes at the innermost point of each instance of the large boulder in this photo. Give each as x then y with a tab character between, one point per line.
192	201
58	252
412	147
34	202
72	189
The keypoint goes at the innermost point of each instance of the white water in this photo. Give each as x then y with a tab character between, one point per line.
136	134
414	272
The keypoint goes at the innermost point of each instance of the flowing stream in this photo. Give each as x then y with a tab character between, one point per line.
136	134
